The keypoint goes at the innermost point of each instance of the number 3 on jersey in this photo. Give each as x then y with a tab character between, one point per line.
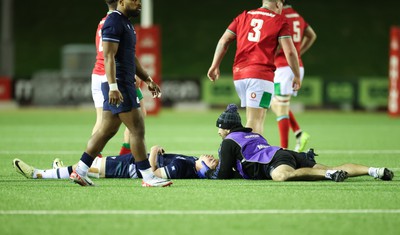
256	34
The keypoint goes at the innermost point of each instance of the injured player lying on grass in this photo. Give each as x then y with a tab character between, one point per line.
165	165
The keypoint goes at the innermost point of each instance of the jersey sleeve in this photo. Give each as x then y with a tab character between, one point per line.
175	169
112	29
285	31
234	24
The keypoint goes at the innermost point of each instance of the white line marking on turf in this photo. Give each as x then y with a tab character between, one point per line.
197	212
332	152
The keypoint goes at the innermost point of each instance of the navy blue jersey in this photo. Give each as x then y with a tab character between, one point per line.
117	28
176	166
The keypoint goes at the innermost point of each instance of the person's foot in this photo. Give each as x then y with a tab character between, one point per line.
339	176
57	163
81	180
385	174
301	142
155	181
23	168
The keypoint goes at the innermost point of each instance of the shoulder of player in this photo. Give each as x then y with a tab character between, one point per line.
115	15
228	143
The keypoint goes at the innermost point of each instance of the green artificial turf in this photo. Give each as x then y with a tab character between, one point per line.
359	205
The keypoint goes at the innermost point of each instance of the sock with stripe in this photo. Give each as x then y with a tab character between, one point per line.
59	173
84	164
293	123
125	149
145	169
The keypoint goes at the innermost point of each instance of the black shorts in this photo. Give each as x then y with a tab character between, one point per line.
291	158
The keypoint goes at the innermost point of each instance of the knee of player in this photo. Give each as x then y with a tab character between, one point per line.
280	105
280	176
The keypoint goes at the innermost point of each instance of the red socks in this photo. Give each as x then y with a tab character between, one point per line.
293	123
125	149
283	125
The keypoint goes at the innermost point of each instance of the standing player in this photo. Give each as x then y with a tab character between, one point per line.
303	38
99	76
121	104
257	33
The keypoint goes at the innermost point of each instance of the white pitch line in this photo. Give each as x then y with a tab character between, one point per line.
332	152
197	212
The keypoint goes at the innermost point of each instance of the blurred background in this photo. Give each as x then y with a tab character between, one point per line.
48	51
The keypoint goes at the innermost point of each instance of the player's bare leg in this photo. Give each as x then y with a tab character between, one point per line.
255	119
135	123
354	170
280	106
287	173
109	127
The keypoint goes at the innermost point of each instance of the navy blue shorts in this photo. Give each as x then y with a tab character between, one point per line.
118	167
128	91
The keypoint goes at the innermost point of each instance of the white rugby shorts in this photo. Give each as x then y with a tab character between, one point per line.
254	93
283	81
97	94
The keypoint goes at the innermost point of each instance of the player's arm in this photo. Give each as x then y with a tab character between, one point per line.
140	71
308	40
292	58
222	47
227	161
155	152
109	51
144	76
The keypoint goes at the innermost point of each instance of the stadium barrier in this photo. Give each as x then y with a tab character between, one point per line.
48	88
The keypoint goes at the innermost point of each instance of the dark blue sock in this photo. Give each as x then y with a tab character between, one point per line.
70	169
143	165
87	159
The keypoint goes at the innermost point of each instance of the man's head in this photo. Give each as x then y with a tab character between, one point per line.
112	4
228	120
206	163
274	5
130	8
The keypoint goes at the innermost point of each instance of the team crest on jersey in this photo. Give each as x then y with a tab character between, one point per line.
253	95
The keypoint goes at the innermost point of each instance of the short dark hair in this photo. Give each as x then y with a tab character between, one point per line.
108	2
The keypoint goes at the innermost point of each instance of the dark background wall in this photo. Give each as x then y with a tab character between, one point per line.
353	35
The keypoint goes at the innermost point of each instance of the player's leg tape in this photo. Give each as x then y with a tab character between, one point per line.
281	105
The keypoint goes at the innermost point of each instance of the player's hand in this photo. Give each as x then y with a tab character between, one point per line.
296	83
115	97
213	74
153	88
158	149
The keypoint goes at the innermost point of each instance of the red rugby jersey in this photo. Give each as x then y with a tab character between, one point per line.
99	65
297	25
257	33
